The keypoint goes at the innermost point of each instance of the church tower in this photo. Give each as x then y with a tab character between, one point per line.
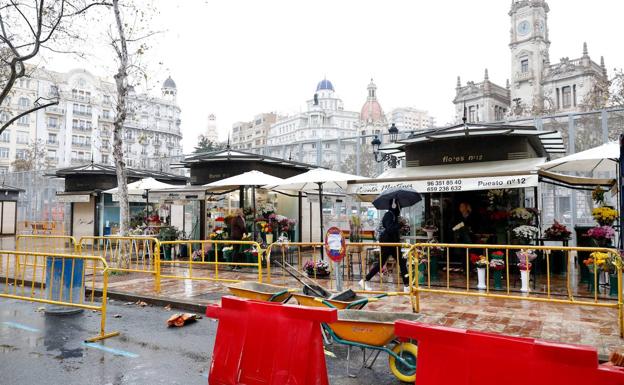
529	46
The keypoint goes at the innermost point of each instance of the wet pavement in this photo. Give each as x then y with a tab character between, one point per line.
37	348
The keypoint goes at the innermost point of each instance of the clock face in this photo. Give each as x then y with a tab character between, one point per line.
524	27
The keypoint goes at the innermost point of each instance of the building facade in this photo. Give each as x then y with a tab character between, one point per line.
536	86
408	119
254	133
80	128
211	129
325	119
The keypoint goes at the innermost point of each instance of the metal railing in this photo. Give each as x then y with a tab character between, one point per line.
129	254
56	279
48	243
420	267
204	257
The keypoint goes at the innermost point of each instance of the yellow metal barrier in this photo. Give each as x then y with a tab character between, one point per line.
48	243
131	254
361	249
23	276
420	264
204	256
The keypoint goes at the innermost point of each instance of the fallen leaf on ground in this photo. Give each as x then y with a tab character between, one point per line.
141	303
328	353
42	308
181	319
117	316
168	307
129	303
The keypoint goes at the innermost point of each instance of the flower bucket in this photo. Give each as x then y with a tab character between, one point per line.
481	278
591	278
422	273
498	279
524	279
269	238
613	285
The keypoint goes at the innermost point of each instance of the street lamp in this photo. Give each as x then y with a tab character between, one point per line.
392	160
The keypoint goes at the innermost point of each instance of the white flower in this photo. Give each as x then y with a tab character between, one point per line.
525	231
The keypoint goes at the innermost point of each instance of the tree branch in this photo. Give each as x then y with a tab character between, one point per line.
24	113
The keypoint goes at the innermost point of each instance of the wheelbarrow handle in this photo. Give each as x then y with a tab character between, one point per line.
360	303
324	302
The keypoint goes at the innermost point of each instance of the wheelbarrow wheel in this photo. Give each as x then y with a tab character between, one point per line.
408	352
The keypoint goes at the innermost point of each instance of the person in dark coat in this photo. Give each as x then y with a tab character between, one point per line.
237	230
391	234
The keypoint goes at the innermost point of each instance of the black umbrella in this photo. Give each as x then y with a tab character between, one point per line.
405	197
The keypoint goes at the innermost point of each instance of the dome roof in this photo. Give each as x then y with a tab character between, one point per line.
324	85
371	111
169	83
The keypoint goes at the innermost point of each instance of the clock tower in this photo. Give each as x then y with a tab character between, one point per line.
529	45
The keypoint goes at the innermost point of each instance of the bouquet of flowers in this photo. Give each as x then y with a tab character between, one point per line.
478	260
604	215
498	198
497	261
499	215
601	232
321	267
525	232
219	234
522	214
286	225
525	257
557	231
264	227
598	260
266	210
598	195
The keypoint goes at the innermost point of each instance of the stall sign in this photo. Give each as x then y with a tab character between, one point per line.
78	198
450	185
335	244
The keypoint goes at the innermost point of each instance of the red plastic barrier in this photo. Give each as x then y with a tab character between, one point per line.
267	343
454	356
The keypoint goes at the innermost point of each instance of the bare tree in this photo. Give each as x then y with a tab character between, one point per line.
33	158
26	28
127	40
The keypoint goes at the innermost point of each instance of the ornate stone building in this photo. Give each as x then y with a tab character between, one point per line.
536	86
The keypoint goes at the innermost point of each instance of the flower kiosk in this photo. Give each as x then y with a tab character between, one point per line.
479	184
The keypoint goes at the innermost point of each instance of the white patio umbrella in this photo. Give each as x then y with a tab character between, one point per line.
598	159
315	180
142	186
250	178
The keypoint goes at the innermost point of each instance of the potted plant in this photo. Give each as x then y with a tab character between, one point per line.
318	269
525	233
557	232
166	234
604	215
525	259
481	264
497	264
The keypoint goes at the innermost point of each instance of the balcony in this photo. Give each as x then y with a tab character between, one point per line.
56	127
81	145
83	113
523	76
107	117
52	142
82	129
55	110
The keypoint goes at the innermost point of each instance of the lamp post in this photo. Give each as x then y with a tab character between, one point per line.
392	160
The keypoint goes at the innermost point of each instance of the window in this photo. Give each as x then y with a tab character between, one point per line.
4	169
52	139
105	159
21	153
106	114
4	152
326	145
472	117
313	145
24	120
5	137
53	91
524	66
51	154
52	122
22	137
23	103
566	96
4	117
574	94
107	99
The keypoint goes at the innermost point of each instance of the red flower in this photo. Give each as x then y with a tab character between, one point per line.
474	257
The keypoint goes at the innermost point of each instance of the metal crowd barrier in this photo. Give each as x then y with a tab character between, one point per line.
203	257
130	254
49	243
420	263
24	276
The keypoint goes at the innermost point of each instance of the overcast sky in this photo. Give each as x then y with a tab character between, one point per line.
237	58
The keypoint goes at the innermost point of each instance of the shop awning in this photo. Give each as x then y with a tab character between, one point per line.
574	182
516	173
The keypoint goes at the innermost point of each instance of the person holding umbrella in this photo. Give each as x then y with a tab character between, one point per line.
390	233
